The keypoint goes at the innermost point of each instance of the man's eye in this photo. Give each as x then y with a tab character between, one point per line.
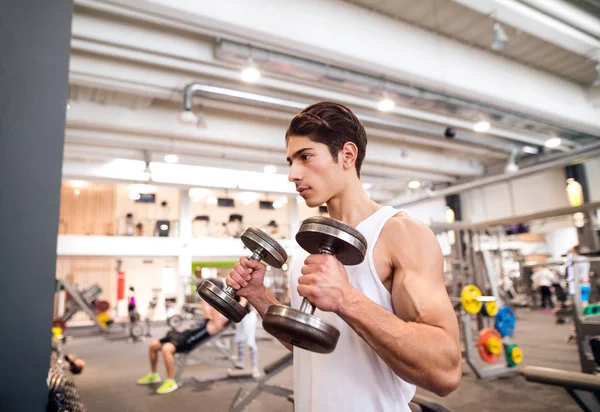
305	157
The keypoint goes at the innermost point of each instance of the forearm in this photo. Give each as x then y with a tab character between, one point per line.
261	302
422	354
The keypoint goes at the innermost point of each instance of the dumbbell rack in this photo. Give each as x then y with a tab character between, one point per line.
488	372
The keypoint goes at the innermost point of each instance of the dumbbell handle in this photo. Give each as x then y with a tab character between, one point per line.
306	306
258	254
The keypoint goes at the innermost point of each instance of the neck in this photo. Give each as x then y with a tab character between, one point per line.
352	205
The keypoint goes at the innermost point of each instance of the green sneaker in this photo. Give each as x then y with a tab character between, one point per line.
149	378
168	386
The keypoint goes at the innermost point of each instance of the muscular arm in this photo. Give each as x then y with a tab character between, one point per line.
420	343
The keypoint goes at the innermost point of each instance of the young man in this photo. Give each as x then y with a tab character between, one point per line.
180	342
398	327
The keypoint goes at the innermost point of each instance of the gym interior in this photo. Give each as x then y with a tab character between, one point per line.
143	153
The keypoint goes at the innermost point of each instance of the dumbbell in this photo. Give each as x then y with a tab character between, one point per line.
301	328
263	247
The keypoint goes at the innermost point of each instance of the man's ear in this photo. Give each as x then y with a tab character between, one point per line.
349	153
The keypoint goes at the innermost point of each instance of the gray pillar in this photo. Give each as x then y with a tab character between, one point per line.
34	57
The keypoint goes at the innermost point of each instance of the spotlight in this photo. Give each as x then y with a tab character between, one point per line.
500	38
171	158
553	142
530	150
482	126
187	116
415	184
270	169
250	74
386	105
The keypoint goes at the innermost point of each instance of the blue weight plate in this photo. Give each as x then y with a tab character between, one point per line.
505	321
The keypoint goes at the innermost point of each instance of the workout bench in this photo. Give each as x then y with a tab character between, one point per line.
218	342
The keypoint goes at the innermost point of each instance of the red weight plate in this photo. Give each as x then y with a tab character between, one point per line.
484	335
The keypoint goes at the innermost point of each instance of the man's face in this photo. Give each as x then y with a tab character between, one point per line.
312	169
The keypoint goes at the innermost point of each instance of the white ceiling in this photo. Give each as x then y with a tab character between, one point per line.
129	67
453	20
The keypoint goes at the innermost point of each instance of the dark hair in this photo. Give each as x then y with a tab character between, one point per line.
333	125
131	288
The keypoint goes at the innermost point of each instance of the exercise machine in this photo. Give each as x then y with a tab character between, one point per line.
86	301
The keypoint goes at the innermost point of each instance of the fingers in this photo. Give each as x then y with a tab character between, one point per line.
242	272
250	264
310	292
309	280
235	280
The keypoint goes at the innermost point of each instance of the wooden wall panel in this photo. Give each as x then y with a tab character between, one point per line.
91	212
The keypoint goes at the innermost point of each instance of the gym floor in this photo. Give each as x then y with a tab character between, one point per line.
108	382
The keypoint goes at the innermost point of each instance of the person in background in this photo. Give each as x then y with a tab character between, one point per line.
543	279
181	342
131	305
245	334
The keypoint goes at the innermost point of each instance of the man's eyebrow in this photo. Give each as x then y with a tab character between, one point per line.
297	154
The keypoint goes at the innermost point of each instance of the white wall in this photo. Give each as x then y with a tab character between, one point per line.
529	194
145	275
560	240
592	170
428	211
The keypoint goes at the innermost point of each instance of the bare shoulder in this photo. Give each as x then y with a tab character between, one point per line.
405	234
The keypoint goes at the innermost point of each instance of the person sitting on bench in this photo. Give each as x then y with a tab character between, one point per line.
181	342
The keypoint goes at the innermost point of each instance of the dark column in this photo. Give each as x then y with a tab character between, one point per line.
34	57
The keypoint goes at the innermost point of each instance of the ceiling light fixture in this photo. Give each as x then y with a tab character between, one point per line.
415	184
171	158
530	150
501	40
553	142
386	104
481	126
250	74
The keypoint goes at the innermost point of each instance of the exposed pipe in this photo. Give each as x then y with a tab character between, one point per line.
568	14
586	152
226	49
412	125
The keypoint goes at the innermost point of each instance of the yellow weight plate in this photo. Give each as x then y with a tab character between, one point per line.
516	355
103	318
468	297
494	346
491	308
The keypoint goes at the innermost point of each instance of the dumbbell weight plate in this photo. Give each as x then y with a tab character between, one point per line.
300	329
253	239
223	302
349	244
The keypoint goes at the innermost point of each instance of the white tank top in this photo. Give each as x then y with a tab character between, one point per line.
353	377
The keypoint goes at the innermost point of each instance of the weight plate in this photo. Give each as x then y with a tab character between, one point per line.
102	306
490	309
505	321
483	340
59	323
221	301
300	329
347	244
494	346
137	330
468	297
174	321
514	355
274	254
